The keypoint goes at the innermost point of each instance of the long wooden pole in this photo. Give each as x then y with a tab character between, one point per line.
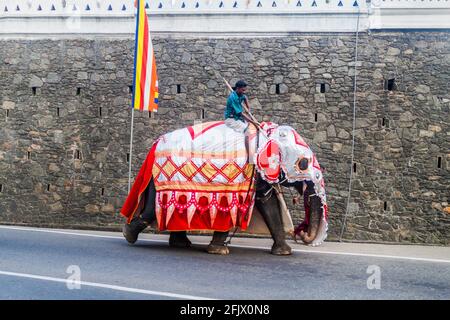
131	150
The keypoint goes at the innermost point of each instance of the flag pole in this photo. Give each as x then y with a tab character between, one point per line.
137	5
145	79
131	150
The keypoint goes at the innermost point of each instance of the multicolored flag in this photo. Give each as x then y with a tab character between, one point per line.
145	92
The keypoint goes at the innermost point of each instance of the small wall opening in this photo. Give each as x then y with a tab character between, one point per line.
7	113
28	155
277	88
178	88
390	85
354	167
130	89
57	112
128	157
315	117
1	188
385	205
151	115
102	192
383	122
34	90
322	88
439	162
202	113
78	91
100	112
48	187
77	155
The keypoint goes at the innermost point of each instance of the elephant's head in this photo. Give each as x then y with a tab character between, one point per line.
284	157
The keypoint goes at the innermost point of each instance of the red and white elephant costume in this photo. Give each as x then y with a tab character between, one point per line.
205	179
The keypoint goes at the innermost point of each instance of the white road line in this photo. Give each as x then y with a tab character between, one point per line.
105	286
235	245
359	254
68	233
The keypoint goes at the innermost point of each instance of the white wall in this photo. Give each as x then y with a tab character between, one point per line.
210	18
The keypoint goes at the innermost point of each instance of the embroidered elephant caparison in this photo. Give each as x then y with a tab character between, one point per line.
205	176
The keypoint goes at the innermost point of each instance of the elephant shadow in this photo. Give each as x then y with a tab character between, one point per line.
196	248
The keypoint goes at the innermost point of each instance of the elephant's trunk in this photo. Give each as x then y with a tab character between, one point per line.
315	216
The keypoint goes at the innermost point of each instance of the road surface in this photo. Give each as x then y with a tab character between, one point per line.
70	264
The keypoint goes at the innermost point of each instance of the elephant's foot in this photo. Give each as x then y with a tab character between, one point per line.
282	249
218	249
131	230
217	244
179	240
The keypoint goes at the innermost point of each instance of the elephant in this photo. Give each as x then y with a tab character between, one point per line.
277	155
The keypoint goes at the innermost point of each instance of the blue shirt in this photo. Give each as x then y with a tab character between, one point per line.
234	106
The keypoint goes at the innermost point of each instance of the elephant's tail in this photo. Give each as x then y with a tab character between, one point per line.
140	184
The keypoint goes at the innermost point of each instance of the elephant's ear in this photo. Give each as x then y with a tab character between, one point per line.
268	161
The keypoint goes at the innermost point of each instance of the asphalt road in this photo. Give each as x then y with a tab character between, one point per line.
34	265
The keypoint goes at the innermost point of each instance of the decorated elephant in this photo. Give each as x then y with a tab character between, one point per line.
211	177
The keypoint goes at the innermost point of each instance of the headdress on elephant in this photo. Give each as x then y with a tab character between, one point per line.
285	151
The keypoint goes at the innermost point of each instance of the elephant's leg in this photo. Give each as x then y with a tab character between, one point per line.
145	218
270	210
148	214
217	244
179	239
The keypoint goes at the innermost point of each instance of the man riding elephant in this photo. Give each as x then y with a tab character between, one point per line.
234	112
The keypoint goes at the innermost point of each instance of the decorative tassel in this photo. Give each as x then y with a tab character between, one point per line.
158	212
190	214
169	213
233	214
212	214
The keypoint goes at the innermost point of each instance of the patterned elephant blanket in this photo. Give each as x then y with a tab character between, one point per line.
203	177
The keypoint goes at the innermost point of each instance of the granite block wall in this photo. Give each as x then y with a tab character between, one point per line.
65	122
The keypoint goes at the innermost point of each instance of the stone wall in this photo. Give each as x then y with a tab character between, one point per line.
65	122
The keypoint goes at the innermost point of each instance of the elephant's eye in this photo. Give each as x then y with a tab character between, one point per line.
302	164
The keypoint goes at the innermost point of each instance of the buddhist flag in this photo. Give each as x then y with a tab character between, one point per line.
145	92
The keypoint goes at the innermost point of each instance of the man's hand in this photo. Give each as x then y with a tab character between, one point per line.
248	119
